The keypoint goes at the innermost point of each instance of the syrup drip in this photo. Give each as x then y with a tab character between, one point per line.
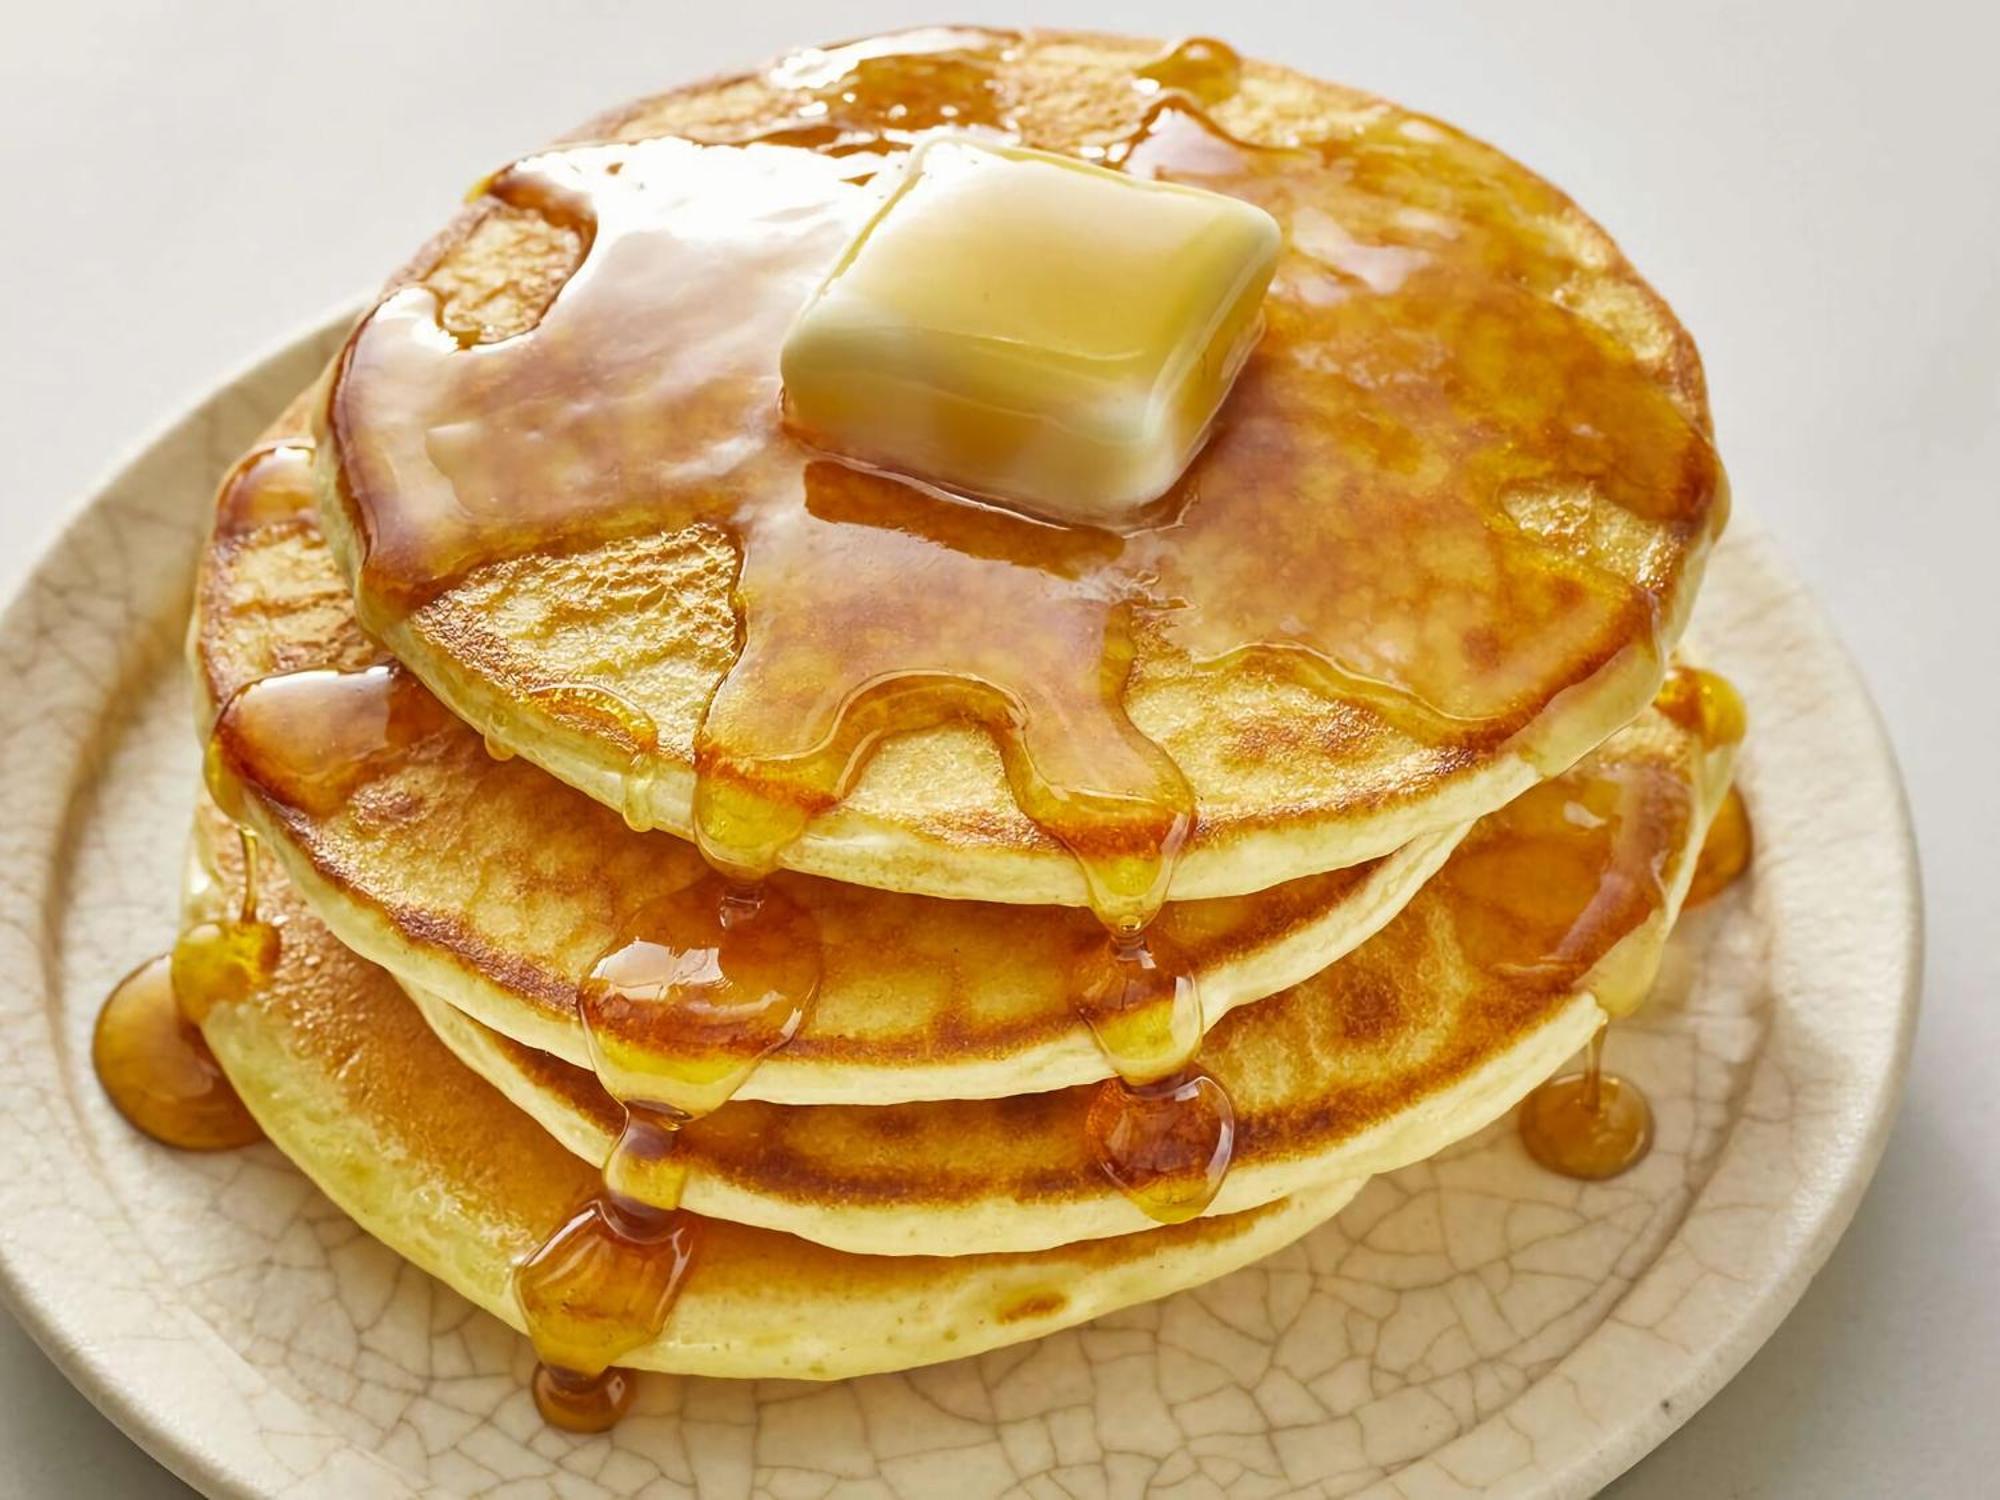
700	986
1166	1144
1725	852
314	740
1560	888
1162	1130
268	486
1547	887
1591	1125
583	1403
1204	69
1141	1002
159	1072
611	717
148	1049
1704	704
604	1283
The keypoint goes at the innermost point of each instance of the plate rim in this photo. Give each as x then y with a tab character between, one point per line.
83	1342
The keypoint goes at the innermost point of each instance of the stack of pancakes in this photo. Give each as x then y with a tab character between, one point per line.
1390	893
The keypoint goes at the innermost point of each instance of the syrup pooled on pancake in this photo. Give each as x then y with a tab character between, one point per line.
506	889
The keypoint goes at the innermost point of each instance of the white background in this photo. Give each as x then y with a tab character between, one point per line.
1816	187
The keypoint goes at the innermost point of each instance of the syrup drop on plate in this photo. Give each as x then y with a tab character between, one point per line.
1725	852
157	1069
1590	1125
583	1403
147	1047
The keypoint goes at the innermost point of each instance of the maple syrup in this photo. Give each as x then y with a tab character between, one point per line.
866	604
1552	884
1206	70
157	1069
700	985
312	740
147	1048
620	721
1544	889
1142	1004
1725	852
1704	703
267	486
904	82
1341	528
583	1403
1590	1125
1165	1144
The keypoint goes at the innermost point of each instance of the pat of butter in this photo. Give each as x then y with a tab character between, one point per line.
1029	328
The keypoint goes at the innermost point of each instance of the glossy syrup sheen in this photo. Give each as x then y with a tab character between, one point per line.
159	1072
1351	523
1590	1125
147	1048
707	978
1594	1124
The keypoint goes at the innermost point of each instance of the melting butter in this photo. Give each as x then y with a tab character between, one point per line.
1030	328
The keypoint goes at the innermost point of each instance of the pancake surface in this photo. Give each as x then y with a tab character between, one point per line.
486	882
1448	526
336	1064
1552	912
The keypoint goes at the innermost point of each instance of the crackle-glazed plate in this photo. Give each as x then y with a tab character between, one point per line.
1471	1325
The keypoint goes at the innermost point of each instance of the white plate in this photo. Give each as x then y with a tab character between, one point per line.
1470	1325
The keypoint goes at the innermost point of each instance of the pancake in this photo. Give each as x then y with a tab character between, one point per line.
345	1078
488	883
1551	913
1446	531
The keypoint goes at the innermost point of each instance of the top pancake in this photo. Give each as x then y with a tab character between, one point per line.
1448	525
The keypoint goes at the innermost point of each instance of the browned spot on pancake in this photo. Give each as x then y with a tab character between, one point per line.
1483	646
1370	1009
1034	1305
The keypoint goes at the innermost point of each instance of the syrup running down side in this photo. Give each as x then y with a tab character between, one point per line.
711	977
1725	853
147	1048
1592	1124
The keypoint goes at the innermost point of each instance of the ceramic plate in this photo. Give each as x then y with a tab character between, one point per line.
1469	1326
